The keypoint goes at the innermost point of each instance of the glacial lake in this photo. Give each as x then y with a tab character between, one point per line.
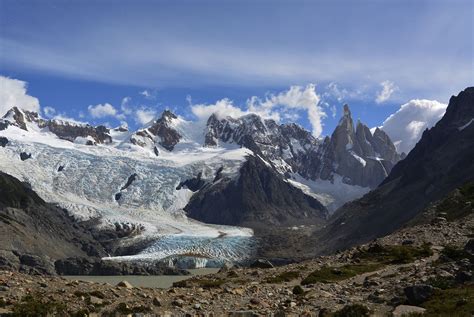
152	281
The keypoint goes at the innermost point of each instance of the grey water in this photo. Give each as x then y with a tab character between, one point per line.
152	281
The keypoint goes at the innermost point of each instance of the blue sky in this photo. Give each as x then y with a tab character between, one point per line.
76	54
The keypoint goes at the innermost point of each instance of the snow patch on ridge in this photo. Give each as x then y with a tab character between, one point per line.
332	194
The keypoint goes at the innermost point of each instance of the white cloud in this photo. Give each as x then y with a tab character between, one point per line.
285	103
64	117
149	94
144	116
388	88
222	108
49	111
406	126
13	94
102	110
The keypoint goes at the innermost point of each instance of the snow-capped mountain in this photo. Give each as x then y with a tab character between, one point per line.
168	181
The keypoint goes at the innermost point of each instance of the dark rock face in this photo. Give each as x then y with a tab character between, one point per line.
38	233
418	294
469	247
88	266
3	141
354	153
36	264
360	157
160	132
9	261
260	196
130	180
24	156
64	130
439	163
194	184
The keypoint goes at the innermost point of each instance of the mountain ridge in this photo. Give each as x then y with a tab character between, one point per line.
440	162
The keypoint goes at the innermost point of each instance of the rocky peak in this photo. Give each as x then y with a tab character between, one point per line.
17	117
460	110
167	115
160	132
65	130
361	158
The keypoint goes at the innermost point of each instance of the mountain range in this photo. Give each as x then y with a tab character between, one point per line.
176	189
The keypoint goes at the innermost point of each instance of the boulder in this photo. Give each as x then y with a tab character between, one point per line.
9	261
418	294
262	264
124	284
3	141
24	156
464	276
469	247
407	310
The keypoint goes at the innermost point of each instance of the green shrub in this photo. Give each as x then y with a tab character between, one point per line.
32	306
298	290
210	283
457	302
284	277
354	310
395	254
441	282
455	254
332	274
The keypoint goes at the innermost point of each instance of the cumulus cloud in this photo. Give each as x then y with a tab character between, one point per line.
222	108
388	88
144	116
406	126
275	106
13	94
102	110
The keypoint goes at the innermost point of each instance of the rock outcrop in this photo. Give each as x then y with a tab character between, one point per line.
161	132
258	197
360	157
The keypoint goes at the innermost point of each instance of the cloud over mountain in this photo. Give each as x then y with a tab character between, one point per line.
273	106
13	94
406	126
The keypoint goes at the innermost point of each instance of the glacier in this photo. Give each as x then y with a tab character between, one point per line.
91	176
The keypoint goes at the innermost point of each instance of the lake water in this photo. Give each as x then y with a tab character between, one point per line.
153	281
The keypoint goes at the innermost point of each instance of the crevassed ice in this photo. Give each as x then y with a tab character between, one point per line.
92	175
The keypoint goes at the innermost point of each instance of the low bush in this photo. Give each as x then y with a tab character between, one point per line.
354	310
284	277
332	274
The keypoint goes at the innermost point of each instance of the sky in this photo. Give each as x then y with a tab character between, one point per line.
126	61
